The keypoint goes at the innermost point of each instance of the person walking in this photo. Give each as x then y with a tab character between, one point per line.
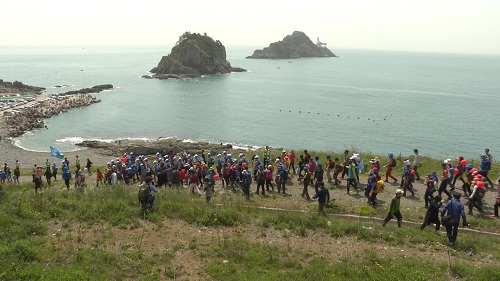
394	209
417	163
306	182
432	214
444	181
323	196
495	207
194	181
455	209
89	165
390	165
485	167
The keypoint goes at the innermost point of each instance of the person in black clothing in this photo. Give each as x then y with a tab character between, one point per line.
323	196
162	177
89	165
432	215
48	175
38	183
319	178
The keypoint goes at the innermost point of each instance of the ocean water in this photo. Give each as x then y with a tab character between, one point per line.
444	104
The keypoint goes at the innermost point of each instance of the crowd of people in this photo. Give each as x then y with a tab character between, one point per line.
199	172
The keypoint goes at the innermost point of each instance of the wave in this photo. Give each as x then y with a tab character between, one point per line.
17	142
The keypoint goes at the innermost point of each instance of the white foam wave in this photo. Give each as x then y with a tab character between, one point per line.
17	142
72	140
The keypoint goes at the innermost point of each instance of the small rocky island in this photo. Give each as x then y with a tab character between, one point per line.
294	46
192	56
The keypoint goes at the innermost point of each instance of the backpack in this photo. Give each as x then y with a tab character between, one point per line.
143	193
480	193
393	163
261	176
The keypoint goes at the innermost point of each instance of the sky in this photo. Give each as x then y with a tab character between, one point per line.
437	26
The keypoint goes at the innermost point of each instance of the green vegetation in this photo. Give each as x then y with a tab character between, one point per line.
101	234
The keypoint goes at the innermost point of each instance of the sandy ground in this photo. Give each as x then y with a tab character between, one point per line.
9	153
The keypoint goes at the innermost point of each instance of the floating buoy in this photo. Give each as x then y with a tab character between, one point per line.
318	113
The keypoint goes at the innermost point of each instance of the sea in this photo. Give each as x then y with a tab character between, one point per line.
446	105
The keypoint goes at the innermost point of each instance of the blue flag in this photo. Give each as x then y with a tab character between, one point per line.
56	153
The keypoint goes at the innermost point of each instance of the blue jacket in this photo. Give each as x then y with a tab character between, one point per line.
454	208
485	166
66	175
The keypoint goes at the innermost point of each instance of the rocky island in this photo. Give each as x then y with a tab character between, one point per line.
192	56
294	46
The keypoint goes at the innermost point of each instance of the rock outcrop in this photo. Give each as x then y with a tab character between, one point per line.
294	46
95	89
193	55
16	87
151	147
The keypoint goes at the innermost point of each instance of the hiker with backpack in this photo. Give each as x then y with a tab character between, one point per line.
38	183
379	187
337	169
329	168
66	175
145	195
261	180
48	175
476	196
444	181
323	196
454	209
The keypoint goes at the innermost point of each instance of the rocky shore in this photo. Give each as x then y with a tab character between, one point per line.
30	118
25	114
162	145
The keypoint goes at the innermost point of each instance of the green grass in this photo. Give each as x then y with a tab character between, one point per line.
27	252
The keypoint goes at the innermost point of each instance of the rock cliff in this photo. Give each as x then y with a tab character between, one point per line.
193	55
294	46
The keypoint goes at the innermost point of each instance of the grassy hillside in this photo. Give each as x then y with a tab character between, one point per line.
102	234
